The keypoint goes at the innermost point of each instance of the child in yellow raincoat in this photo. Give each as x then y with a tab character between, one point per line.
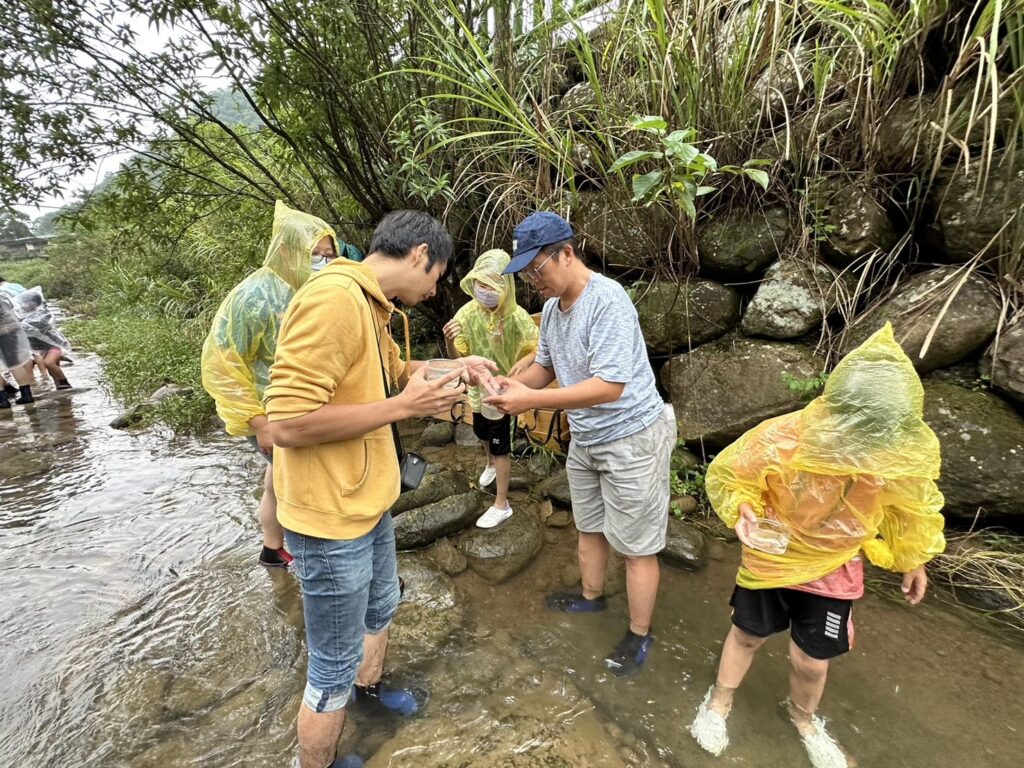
492	325
239	349
852	472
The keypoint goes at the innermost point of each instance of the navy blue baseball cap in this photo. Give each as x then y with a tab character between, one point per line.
536	231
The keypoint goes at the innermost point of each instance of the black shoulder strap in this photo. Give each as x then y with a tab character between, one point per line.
384	376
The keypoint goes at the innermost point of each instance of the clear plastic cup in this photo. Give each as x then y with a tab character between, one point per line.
441	367
489	411
770	536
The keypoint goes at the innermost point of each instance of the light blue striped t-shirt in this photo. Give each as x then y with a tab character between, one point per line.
600	335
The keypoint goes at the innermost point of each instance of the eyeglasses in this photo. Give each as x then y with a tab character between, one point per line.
533	275
324	258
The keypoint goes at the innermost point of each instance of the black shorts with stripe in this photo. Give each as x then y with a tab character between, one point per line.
821	627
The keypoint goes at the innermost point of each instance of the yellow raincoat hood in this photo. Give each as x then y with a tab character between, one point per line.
239	349
504	334
292	240
853	470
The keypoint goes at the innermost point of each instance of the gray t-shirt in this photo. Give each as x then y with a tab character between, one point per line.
600	336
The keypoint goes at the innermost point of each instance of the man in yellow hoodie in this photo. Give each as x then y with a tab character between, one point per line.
337	385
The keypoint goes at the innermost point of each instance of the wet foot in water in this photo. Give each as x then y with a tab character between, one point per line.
708	727
822	748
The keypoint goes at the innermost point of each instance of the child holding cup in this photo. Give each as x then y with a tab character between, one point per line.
807	492
492	325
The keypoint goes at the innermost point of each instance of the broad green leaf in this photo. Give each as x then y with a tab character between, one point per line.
701	191
643	185
686	203
758	176
631	158
651	123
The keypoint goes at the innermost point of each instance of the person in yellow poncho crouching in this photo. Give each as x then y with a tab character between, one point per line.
807	492
494	326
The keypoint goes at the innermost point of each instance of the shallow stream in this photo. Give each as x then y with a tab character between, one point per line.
139	631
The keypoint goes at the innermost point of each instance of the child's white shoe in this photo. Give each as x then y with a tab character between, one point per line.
822	749
494	516
487	476
709	728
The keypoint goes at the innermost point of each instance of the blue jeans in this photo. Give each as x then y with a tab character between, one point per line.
349	589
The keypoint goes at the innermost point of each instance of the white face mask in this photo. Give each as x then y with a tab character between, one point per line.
488	298
319	262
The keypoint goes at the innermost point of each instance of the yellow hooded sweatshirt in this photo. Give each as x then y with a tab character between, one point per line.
329	350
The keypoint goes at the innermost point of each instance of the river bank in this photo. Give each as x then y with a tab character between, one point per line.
145	635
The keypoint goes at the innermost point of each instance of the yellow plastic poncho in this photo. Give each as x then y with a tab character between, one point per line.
239	349
505	334
854	470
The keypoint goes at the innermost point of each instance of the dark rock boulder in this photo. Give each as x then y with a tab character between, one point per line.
556	488
623	236
982	440
1003	363
434	487
741	244
966	325
685	546
438	433
851	221
968	220
425	525
793	300
680	316
722	389
497	554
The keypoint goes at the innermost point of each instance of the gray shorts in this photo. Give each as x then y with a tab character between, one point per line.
621	488
256	447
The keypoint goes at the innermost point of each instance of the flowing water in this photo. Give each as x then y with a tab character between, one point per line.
138	631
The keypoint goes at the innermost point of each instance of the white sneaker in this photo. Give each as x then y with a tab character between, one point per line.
493	516
822	749
709	728
487	476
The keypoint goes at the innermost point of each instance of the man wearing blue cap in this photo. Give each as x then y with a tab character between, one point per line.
622	432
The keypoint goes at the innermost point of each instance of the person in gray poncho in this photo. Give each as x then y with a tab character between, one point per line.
44	337
15	354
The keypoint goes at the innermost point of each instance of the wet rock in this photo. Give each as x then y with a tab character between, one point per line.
621	235
556	488
982	441
1003	363
425	525
681	316
685	504
446	557
134	414
683	460
741	244
521	479
793	299
464	435
685	546
439	433
514	716
722	389
967	220
570	575
429	614
497	554
852	221
560	518
435	487
966	326
545	511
